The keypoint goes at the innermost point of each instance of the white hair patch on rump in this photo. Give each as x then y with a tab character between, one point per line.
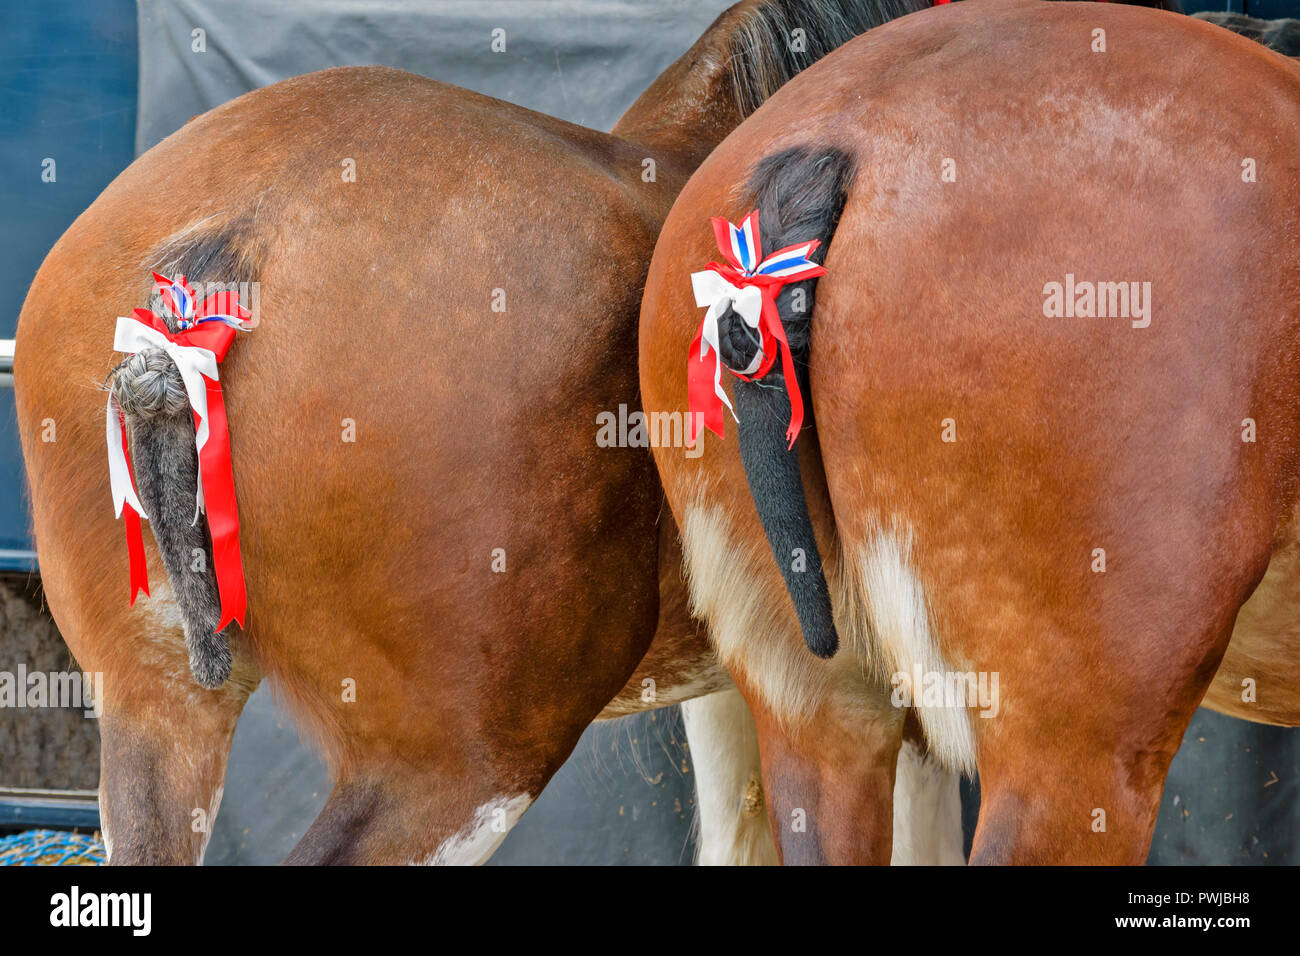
900	632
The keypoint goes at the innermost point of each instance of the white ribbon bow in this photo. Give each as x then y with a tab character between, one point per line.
194	363
716	293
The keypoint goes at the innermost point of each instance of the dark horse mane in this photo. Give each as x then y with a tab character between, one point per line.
762	55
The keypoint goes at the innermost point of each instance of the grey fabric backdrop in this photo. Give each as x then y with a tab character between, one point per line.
626	795
581	60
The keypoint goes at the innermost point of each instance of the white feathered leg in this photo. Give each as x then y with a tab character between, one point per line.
927	812
731	811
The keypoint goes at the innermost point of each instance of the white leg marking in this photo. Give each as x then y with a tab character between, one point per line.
730	811
103	827
211	822
483	834
927	812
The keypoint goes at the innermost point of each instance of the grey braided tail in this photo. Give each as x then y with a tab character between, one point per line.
149	389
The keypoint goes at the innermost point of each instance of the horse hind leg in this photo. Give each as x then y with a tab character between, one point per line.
731	818
164	742
927	808
830	783
1078	780
828	738
393	813
732	823
162	770
1072	714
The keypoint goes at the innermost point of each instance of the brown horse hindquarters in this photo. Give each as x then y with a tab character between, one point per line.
413	423
1068	496
1058	511
396	436
827	733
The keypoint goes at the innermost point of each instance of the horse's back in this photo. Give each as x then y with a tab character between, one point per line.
374	179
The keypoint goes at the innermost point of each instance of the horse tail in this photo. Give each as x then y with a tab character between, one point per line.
800	194
149	390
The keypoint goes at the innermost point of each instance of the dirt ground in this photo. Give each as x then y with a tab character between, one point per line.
45	747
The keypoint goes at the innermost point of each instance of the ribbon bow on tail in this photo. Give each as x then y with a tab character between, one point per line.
204	334
750	287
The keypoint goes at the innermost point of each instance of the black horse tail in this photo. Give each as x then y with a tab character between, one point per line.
149	390
800	195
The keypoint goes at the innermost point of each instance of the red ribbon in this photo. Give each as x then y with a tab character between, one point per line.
703	407
134	539
218	479
702	402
